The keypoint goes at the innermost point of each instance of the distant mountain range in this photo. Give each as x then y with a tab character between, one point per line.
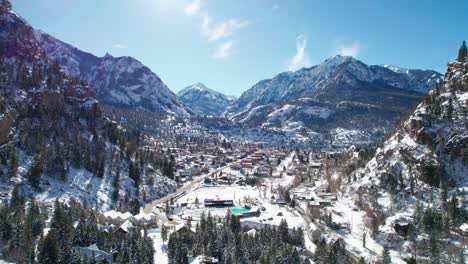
121	81
203	100
341	93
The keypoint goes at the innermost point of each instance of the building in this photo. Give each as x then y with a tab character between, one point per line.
315	233
94	252
236	166
218	203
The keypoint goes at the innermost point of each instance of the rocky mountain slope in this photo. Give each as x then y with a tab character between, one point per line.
341	94
203	100
121	81
54	140
413	190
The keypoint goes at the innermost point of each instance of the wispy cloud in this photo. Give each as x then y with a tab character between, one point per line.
221	30
192	8
223	50
119	46
351	50
301	58
215	31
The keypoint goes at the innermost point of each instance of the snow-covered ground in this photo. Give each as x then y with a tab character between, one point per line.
160	254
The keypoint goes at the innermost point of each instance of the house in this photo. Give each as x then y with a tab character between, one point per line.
463	230
106	229
126	227
281	201
236	166
315	233
194	171
94	252
263	171
246	164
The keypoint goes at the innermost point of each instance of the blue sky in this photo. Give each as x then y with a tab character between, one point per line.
231	44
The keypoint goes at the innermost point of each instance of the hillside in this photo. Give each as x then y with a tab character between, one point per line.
418	178
55	141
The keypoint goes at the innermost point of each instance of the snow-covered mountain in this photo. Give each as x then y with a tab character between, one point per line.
203	100
420	174
55	142
342	92
119	81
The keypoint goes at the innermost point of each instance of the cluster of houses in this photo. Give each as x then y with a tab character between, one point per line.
126	222
258	163
120	223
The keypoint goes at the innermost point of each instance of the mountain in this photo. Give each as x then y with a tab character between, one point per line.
341	93
55	142
418	177
118	81
203	100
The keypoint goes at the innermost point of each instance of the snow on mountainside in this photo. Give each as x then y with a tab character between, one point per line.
354	96
121	81
420	173
203	100
55	141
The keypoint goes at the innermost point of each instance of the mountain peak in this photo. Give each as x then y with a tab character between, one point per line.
108	56
203	100
339	59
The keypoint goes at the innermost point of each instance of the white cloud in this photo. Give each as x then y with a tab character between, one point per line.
300	59
119	46
215	31
221	30
193	8
224	50
275	7
352	50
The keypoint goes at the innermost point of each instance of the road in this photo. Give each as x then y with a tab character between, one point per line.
150	206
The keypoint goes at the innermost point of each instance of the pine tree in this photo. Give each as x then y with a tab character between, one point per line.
49	252
13	166
461	259
386	259
164	233
116	185
434	248
462	53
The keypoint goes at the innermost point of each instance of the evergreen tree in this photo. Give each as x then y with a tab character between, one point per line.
434	249
49	252
386	259
462	53
164	233
461	259
13	166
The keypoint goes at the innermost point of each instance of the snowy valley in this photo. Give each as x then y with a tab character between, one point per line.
341	162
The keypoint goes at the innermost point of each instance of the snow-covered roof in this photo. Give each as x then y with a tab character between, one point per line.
125	226
115	215
464	227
